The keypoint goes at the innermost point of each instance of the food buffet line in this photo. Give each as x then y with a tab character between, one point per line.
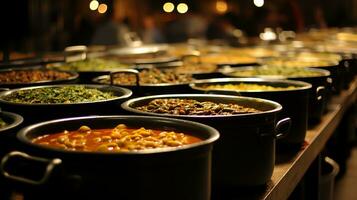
177	121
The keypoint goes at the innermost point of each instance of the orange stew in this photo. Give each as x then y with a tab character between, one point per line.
119	139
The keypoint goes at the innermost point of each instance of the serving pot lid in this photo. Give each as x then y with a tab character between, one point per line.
207	97
125	94
22	135
300	85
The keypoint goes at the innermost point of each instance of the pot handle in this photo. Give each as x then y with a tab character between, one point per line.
75	53
320	91
51	165
185	58
125	71
281	132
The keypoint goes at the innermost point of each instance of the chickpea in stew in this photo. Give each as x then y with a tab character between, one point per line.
119	139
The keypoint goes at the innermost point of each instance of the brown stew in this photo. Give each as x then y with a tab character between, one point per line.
119	139
32	76
151	76
193	107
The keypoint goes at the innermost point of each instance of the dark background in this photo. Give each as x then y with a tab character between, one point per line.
51	25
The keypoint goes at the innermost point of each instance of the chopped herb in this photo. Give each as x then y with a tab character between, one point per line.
53	95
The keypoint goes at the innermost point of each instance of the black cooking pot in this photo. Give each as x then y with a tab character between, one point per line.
319	94
144	89
33	113
337	73
7	133
167	173
293	100
245	153
349	62
71	79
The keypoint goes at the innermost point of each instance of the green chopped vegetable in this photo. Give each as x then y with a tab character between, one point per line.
94	64
277	71
53	95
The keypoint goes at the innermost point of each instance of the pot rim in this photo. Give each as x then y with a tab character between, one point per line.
126	93
126	105
299	84
214	134
230	72
17	120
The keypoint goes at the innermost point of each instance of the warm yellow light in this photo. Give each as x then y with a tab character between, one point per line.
258	3
168	7
93	5
102	8
182	8
221	6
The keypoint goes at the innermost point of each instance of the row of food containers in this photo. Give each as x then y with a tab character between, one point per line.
165	133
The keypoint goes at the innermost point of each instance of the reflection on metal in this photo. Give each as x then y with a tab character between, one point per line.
268	35
75	53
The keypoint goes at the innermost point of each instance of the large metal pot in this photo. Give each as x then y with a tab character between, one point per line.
293	100
44	111
167	173
336	70
245	153
319	94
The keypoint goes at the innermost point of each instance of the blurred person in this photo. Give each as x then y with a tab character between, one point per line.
320	18
83	30
220	28
111	32
175	31
151	33
196	25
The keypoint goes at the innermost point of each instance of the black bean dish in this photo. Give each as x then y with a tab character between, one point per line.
193	107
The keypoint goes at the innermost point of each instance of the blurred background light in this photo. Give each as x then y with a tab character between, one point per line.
93	5
182	8
221	6
168	7
258	3
102	8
